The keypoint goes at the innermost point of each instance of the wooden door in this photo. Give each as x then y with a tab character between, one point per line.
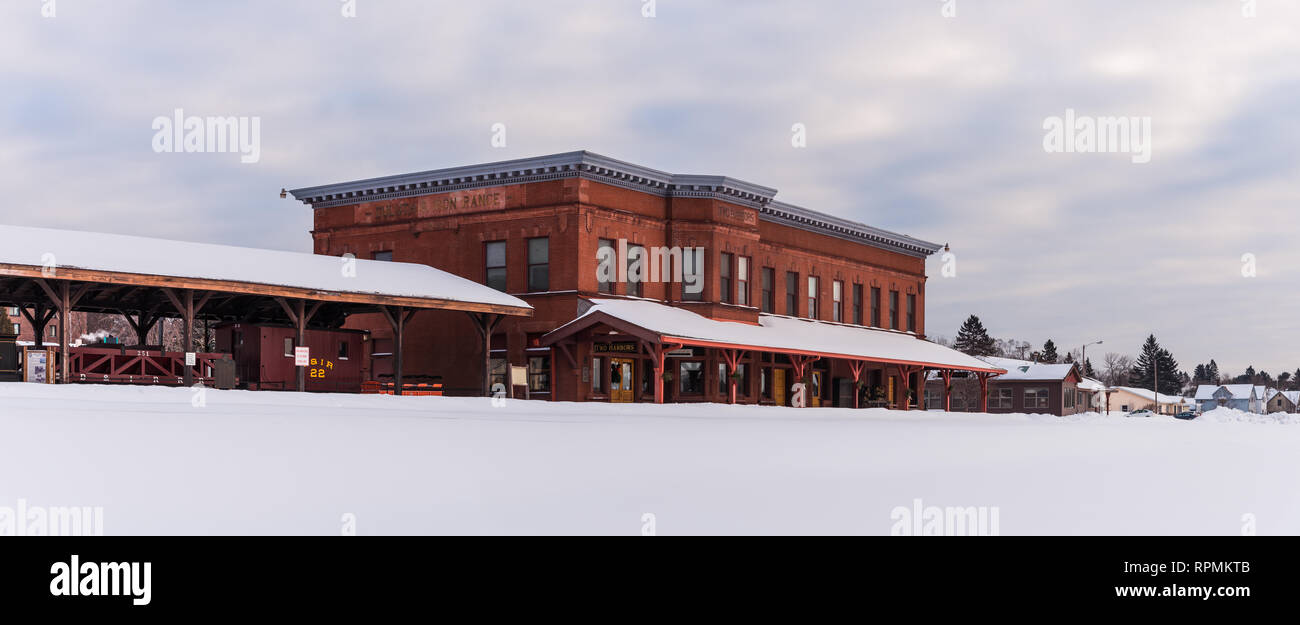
621	376
778	386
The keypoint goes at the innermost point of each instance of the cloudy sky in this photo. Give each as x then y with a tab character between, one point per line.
916	122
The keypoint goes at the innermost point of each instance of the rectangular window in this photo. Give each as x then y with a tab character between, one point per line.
52	331
539	264
693	292
384	256
837	301
723	379
1000	398
499	371
18	328
691	376
742	281
857	304
792	293
814	293
636	266
597	374
893	310
606	266
1068	398
288	347
911	312
13	311
724	278
875	307
539	374
494	253
343	350
1036	398
768	290
765	383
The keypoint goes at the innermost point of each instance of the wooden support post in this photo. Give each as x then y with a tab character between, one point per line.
732	358
485	324
298	315
946	374
984	390
64	301
39	319
905	376
658	354
855	367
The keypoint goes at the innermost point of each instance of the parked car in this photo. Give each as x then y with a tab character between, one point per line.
1142	413
1186	414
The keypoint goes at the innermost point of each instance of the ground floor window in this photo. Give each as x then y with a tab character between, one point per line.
1036	398
742	385
499	371
765	383
1001	398
647	379
691	376
723	380
597	374
933	398
539	374
1069	398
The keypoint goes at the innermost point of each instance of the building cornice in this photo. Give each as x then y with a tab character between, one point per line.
598	168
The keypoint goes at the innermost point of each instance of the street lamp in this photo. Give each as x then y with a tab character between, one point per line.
1084	364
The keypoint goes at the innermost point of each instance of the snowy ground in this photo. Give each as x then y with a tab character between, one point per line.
285	463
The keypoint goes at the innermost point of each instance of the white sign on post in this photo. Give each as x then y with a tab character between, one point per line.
190	359
301	356
519	376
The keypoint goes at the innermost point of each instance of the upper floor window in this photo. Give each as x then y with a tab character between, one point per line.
606	266
857	304
814	291
792	293
724	277
911	312
385	255
494	253
875	307
539	264
692	277
837	301
768	287
893	310
636	267
742	281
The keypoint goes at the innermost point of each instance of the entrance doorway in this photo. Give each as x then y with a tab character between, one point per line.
622	373
778	386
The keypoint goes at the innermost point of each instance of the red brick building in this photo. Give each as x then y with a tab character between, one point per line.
539	228
50	335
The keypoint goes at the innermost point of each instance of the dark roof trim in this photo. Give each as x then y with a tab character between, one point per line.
598	168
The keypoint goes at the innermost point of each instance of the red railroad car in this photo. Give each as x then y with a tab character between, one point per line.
264	357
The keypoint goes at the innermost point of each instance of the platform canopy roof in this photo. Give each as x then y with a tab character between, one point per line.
773	333
122	269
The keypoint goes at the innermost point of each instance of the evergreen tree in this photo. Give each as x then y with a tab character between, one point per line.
973	339
1049	352
1212	372
1250	374
1087	368
1198	375
1155	359
1295	379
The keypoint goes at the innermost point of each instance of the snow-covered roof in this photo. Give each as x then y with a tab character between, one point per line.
1028	370
1292	396
1237	391
1147	393
780	333
1089	384
68	249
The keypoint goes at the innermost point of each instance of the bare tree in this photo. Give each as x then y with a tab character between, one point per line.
1115	369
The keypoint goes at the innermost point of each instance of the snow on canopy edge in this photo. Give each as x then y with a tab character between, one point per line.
829	338
133	254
